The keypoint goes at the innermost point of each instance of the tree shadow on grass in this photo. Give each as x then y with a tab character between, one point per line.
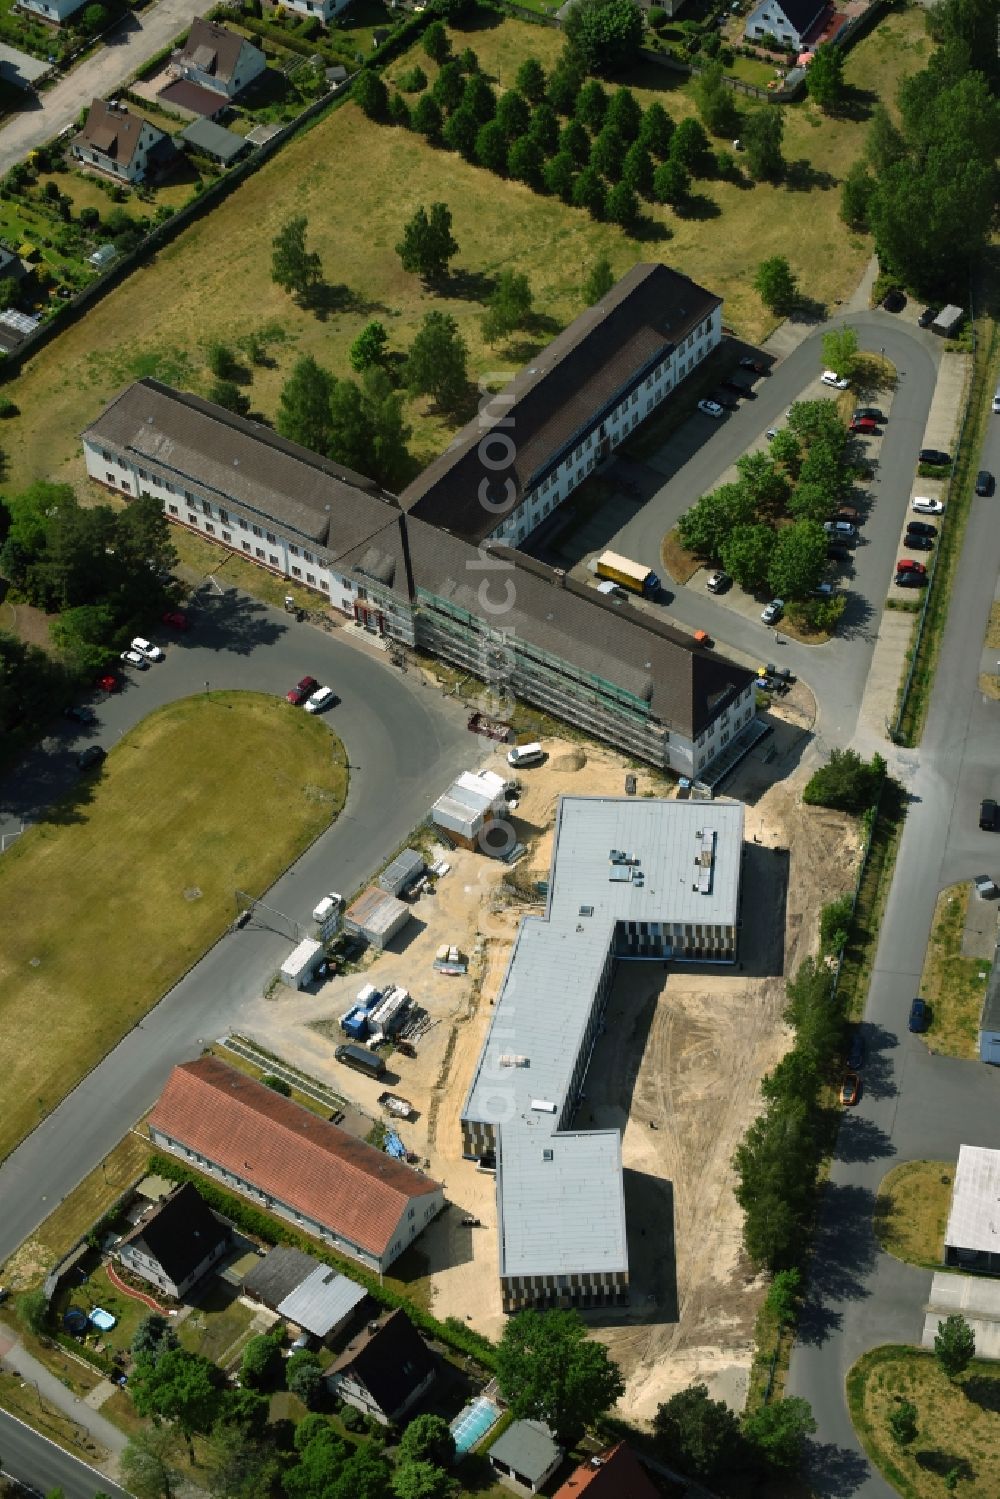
943	1463
698	206
857	104
327	298
983	1391
471	286
650	231
809	309
802	177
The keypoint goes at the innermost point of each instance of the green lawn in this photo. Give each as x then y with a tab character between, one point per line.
126	882
129	1311
911	1210
216	1323
958	1422
214	282
954	986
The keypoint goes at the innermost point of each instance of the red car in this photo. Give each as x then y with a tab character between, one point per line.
176	620
108	682
907	565
866	425
302	690
850	1089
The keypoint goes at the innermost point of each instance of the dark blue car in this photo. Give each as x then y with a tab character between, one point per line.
920	1015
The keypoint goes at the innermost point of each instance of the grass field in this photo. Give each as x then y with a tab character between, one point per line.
958	1423
214	281
911	1210
131	878
218	1321
953	985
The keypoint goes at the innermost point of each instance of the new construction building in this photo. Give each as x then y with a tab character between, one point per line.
629	880
437	568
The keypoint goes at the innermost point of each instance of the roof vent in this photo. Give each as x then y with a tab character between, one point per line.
586	910
548	1155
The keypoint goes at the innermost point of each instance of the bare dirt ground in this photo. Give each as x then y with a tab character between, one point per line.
678	1069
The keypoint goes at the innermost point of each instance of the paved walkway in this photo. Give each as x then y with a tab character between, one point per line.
126	48
51	1389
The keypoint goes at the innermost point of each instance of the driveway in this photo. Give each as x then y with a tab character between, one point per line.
125	49
405	744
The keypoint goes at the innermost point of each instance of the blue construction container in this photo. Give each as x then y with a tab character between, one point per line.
355	1024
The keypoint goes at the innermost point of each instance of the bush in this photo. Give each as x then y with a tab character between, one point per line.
413	81
846	782
277	1084
834	922
352	1419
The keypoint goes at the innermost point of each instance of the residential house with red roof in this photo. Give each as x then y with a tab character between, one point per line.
123	145
289	1161
614	1474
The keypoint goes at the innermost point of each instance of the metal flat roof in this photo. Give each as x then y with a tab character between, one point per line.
613	859
974	1220
321	1301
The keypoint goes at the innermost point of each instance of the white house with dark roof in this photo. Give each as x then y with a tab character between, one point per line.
218	59
790	22
56	11
175	1243
122	144
323	10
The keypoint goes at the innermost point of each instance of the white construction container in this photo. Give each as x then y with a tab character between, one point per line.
327	916
301	963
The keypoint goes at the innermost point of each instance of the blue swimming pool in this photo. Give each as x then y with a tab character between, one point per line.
472	1424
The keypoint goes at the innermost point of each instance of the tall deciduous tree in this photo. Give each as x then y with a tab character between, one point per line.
437	362
591	106
763	133
599	282
150	1465
715	101
564	83
902	1423
825	77
855	197
509	306
840	351
798	560
293	267
746	553
530	80
606	34
954	1345
428	1439
560	175
437	43
624	114
778	1431
491	147
701	1436
304	405
549	1369
389	460
671	182
590	193
704	528
182	1387
370	93
369	348
689	145
775	284
427	119
525	162
428	245
656	130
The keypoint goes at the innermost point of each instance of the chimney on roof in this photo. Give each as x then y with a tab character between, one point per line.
559	576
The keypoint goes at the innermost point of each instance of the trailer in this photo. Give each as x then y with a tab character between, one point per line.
631	575
302	963
393	1104
449	960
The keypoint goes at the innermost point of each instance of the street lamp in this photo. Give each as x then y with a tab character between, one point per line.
207	694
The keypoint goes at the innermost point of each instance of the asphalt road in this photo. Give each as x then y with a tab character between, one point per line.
42	1466
704	449
405	743
126	47
915	1105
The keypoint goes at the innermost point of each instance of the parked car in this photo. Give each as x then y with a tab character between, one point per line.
848	513
108	682
907	565
934	457
925	506
850	1089
920	528
927	317
80	713
133	658
984	482
91	756
920	1015
717	582
324	697
986	887
176	620
303	689
746	363
868	413
830	377
910	580
856	1052
918	543
4	1293
145	648
733	385
864	427
988	814
841	528
726	401
894	300
773	611
838	553
710	408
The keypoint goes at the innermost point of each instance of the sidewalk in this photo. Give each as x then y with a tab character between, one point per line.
101	1430
125	50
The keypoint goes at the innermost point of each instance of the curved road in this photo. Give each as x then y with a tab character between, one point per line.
405	744
42	1466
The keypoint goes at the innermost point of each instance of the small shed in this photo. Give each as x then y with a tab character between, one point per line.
277	1275
376	916
989	1019
336	75
103	256
323	1302
301	963
948	320
404	869
525	1457
214	140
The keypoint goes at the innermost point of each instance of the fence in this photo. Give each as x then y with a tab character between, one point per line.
895	733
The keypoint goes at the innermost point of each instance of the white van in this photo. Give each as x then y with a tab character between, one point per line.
996	401
525	754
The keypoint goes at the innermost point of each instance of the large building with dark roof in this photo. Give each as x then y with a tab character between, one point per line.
439	567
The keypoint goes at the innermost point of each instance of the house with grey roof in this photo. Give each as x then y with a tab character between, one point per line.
534	442
972	1235
650	880
525	1457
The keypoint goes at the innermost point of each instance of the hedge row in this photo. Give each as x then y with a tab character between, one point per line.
272	1230
82	1351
